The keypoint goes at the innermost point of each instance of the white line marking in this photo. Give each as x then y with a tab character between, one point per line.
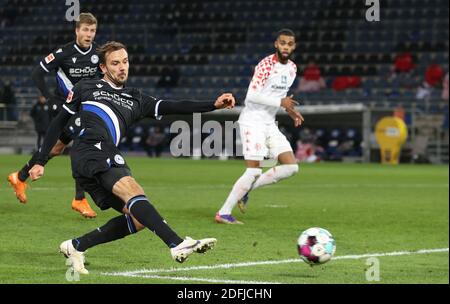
200	279
143	273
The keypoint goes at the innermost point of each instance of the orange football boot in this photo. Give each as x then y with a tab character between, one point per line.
82	206
19	187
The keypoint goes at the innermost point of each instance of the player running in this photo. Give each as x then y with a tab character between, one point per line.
108	108
74	61
260	135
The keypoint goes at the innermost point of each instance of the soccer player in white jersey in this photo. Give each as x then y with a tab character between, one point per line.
260	135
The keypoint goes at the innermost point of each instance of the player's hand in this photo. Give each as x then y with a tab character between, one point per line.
296	117
36	172
225	101
288	103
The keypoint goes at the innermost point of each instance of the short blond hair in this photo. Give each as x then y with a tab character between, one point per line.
86	18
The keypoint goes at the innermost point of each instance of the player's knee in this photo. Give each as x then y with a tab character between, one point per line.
253	172
291	169
127	188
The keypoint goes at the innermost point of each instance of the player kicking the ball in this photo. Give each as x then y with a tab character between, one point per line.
260	135
108	108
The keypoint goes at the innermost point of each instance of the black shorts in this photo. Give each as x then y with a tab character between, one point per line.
97	166
98	188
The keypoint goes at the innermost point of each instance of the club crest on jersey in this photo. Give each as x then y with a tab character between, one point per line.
78	122
283	79
59	51
119	159
74	59
49	58
69	97
94	59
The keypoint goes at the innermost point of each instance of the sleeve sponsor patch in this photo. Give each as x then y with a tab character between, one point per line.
69	97
49	58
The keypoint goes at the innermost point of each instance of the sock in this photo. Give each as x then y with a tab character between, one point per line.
23	173
117	228
240	188
79	192
275	174
146	214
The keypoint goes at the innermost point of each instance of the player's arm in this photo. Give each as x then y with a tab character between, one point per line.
54	130
52	135
255	94
46	65
156	108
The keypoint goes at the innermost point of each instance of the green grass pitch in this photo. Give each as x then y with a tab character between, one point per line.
368	208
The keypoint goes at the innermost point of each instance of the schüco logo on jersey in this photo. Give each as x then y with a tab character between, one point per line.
86	70
114	97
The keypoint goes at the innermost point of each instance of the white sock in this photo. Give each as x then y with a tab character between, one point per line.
240	188
275	174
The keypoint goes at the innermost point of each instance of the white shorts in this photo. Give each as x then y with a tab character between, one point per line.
262	141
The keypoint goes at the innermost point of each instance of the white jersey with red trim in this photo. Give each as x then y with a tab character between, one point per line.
270	83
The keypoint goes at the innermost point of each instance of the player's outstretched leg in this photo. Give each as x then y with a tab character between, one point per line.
81	204
275	174
146	214
240	188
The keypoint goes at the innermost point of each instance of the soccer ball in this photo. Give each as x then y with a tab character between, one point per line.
316	246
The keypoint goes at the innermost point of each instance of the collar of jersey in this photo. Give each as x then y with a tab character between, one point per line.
111	85
79	50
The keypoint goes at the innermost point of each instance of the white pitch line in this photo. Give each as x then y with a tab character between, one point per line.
142	272
177	278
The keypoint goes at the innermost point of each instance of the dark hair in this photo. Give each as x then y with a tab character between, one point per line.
108	47
285	32
86	18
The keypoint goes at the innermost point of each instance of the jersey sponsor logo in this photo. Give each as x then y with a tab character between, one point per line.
278	87
126	95
49	58
74	59
94	59
69	97
119	159
116	98
86	70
